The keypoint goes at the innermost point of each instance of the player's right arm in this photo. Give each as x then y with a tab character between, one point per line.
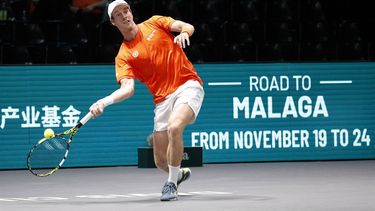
125	91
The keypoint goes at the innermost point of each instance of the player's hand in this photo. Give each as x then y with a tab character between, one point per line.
97	108
182	40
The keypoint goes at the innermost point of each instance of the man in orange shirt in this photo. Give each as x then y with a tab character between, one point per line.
151	54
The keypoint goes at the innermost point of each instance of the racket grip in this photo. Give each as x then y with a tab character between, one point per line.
86	118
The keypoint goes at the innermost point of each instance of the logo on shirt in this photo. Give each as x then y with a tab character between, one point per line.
149	37
135	54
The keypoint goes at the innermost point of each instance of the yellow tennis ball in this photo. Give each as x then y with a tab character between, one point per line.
48	133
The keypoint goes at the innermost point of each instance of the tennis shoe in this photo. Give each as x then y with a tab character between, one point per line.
186	173
169	192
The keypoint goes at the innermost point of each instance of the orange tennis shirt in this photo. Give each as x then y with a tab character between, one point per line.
153	59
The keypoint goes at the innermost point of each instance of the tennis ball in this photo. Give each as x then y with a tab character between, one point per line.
48	133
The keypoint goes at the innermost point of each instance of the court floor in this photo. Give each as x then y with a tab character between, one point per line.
275	186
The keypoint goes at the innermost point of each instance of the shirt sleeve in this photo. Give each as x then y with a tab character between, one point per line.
162	22
123	70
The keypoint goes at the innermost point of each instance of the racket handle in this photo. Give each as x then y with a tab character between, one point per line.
86	118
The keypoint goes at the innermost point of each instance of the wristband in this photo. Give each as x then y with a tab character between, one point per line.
188	30
107	101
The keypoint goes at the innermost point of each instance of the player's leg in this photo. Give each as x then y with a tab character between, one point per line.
180	117
186	106
160	145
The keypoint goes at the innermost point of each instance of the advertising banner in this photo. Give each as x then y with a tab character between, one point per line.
251	112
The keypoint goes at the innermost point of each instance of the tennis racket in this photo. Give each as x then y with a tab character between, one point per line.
49	154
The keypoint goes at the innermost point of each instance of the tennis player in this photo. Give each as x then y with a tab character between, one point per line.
151	54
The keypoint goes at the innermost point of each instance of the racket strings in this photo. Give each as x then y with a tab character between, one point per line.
47	155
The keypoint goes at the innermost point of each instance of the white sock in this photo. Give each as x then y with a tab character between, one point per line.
173	174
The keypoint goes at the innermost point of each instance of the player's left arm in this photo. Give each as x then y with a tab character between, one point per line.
186	30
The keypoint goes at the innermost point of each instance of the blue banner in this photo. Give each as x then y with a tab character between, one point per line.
251	112
273	112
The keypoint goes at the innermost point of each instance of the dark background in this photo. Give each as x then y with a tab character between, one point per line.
226	31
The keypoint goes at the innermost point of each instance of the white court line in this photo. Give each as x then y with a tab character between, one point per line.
224	84
108	196
185	194
336	82
210	193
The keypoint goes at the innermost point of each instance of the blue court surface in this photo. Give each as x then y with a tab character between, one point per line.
275	186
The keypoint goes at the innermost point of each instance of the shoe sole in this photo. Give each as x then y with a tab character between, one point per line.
172	199
187	177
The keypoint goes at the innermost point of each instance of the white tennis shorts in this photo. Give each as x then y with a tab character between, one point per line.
191	93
